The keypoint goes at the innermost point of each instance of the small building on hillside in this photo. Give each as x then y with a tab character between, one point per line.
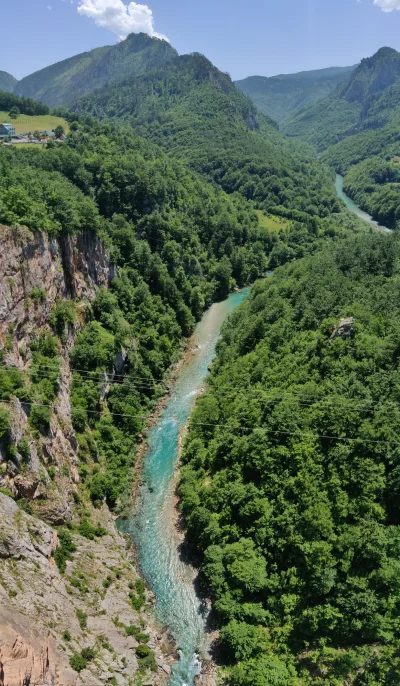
7	130
47	135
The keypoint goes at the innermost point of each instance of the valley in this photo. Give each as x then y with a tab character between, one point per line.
199	362
354	208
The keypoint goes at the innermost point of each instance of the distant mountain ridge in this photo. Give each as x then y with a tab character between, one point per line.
284	96
7	82
65	82
196	113
366	100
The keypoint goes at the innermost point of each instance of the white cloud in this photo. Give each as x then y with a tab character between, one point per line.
119	18
388	5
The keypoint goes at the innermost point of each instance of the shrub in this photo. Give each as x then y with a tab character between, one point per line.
138	599
38	295
89	531
142	651
82	618
79	661
40	417
79	419
138	634
94	348
146	658
25	505
5	425
11	383
66	635
107	582
46	345
62	314
24	449
65	550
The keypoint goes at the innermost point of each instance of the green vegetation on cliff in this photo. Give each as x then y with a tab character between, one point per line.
290	484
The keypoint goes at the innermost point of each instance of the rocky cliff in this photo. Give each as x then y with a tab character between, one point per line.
73	622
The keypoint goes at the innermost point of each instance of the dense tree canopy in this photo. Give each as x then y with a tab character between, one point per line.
290	485
195	112
24	105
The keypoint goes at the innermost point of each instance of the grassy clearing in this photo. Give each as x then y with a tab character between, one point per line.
272	222
29	145
25	123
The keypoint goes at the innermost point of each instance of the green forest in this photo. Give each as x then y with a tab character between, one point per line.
290	477
179	240
289	487
178	243
196	114
356	130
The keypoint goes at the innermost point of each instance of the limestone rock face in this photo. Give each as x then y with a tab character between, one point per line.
344	329
70	267
23	536
39	624
36	271
27	659
47	617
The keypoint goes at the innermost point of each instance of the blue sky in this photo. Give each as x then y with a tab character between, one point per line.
244	38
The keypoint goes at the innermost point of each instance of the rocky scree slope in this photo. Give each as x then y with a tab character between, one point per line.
66	593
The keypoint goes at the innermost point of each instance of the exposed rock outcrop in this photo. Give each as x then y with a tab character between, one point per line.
344	329
47	616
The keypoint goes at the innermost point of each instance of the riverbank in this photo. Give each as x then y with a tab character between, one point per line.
152	523
188	351
351	205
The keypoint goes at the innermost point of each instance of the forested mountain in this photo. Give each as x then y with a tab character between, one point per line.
63	83
7	82
195	112
290	484
136	223
283	97
364	101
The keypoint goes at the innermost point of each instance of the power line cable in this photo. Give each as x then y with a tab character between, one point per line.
233	428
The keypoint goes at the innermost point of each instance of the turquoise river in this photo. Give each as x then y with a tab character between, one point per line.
153	525
354	208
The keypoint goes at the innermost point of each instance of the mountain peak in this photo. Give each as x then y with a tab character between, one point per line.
385	52
373	75
67	81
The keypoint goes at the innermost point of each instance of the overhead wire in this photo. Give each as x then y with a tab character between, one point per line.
274	396
231	429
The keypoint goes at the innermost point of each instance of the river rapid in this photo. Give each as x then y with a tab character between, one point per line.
355	209
152	525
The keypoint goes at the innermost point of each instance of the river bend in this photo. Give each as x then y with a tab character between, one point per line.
355	208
